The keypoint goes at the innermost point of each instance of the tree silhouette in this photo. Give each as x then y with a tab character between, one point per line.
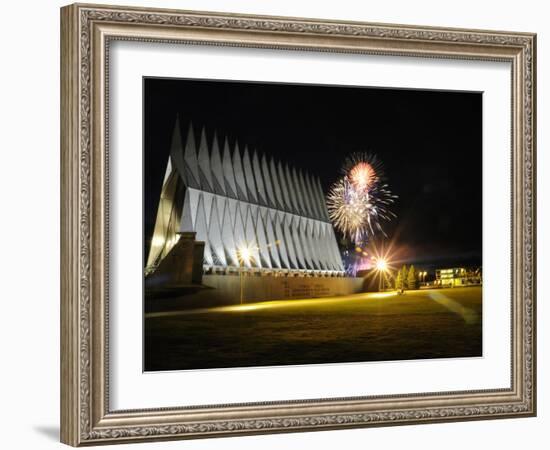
399	281
404	273
411	278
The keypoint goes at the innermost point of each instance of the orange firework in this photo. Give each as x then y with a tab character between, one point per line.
362	175
360	201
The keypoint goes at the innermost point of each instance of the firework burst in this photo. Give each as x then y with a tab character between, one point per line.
362	176
363	170
359	202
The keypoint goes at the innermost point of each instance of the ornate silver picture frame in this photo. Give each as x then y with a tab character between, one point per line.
87	32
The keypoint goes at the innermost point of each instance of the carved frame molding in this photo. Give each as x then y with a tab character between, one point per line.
86	31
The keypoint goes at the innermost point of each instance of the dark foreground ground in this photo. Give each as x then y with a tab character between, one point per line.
440	323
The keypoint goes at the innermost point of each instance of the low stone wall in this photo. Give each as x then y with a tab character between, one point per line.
257	288
222	290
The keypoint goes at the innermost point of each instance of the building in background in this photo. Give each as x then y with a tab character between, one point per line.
250	211
458	276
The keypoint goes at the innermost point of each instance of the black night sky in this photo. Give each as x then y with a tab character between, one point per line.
430	143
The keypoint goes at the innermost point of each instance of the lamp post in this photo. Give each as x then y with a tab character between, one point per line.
243	255
241	281
382	268
422	276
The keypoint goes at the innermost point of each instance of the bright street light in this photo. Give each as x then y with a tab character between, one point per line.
422	275
381	265
244	255
382	268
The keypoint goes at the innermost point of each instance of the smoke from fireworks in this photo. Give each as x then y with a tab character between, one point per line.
358	203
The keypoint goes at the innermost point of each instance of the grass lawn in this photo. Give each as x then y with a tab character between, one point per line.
423	324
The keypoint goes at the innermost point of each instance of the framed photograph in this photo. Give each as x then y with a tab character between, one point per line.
273	224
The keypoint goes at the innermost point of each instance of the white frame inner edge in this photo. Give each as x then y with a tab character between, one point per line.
130	388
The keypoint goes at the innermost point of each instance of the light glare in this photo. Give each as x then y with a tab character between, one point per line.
381	265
